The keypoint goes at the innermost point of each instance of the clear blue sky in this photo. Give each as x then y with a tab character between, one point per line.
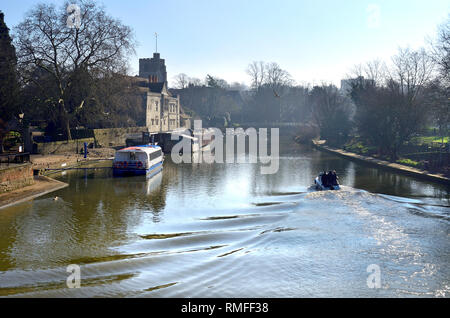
315	40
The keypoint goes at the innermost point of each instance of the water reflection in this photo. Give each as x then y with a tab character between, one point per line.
225	230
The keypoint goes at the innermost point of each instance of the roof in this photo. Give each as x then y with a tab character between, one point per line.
156	87
143	148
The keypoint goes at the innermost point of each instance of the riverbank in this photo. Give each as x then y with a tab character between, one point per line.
45	165
320	144
50	163
42	185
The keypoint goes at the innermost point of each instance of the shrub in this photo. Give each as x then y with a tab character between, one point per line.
409	162
306	133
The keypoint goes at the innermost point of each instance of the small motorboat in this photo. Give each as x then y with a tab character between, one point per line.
332	184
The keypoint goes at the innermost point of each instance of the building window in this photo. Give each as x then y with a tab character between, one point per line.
153	122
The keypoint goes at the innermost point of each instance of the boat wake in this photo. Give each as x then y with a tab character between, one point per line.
294	244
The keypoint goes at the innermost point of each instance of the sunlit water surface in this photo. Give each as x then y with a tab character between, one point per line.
226	230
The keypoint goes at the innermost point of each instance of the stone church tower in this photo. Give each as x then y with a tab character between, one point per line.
162	108
153	69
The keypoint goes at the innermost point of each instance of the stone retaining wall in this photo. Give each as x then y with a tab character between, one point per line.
61	147
113	137
107	137
15	176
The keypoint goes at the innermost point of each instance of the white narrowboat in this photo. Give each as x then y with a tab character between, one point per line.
139	160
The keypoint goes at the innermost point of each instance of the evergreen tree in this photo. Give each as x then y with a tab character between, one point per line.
8	79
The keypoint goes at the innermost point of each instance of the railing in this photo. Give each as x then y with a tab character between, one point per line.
76	134
20	157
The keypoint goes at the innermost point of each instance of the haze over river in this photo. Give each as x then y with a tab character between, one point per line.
225	230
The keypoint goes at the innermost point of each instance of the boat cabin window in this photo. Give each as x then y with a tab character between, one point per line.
131	156
155	155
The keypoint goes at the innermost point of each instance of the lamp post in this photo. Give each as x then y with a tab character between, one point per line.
21	115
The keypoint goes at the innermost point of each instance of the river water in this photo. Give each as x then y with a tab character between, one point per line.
226	230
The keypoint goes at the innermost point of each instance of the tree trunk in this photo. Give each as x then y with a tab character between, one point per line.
67	126
65	119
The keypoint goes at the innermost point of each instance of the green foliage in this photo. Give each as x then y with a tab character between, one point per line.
386	117
420	140
409	162
357	145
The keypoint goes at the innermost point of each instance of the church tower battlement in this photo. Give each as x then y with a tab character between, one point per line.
154	68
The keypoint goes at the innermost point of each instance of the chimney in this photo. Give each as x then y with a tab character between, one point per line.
153	79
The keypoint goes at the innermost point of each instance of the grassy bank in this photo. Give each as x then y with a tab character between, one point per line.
400	168
430	153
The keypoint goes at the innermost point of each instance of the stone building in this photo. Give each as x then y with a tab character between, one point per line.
163	109
153	68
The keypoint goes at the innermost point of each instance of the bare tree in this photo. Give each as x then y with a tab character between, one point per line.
257	72
331	112
195	81
388	115
47	43
373	70
181	81
356	71
376	70
412	70
441	50
277	77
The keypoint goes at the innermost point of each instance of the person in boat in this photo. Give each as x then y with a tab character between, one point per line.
334	178
330	179
325	179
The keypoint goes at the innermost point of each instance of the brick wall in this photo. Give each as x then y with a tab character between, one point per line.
14	177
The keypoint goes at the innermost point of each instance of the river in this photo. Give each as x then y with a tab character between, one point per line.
226	230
